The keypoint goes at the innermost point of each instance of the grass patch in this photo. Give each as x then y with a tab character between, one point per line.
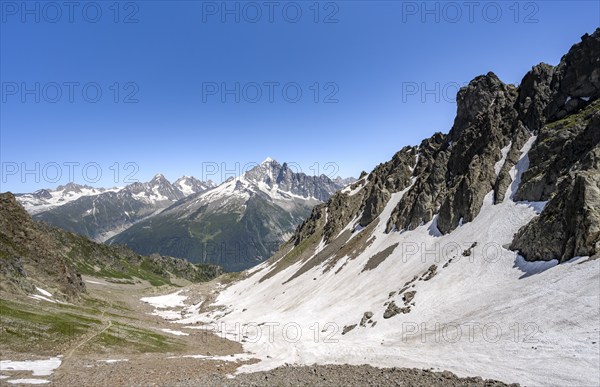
23	329
577	118
137	340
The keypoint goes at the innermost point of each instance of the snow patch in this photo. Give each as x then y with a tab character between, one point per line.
95	282
500	163
111	361
28	381
235	358
37	367
166	301
44	292
517	171
173	332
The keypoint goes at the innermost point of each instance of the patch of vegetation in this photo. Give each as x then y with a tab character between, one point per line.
228	278
577	118
297	251
303	250
125	272
135	340
96	304
22	328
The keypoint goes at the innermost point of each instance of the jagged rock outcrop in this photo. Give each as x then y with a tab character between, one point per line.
423	200
569	226
485	121
386	179
559	147
535	93
372	194
577	78
454	172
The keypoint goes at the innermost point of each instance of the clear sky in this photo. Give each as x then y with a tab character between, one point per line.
186	84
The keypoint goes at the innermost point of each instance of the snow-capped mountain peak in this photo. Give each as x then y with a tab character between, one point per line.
159	177
123	206
46	199
190	185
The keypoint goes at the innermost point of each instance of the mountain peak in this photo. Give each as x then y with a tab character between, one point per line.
70	187
268	160
191	185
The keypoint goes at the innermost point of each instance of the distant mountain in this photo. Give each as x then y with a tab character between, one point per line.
99	213
236	225
36	255
46	199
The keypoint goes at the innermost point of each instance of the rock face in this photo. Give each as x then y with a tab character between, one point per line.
535	93
363	200
560	147
576	79
569	226
455	172
564	161
35	254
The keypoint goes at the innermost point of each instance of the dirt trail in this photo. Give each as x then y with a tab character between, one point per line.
68	355
89	363
84	341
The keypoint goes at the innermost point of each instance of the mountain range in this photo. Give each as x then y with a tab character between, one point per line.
100	213
236	225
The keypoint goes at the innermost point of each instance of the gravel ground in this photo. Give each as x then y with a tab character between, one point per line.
153	371
342	375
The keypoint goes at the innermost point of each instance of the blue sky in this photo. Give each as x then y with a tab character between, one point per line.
162	66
